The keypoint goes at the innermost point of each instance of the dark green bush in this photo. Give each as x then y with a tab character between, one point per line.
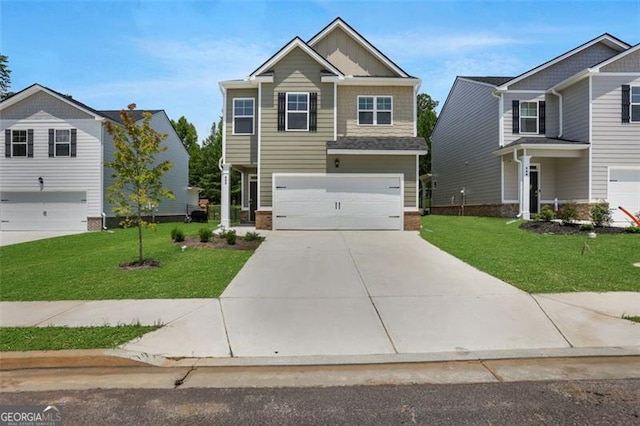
632	229
230	236
252	236
587	227
205	235
601	214
177	235
546	214
568	212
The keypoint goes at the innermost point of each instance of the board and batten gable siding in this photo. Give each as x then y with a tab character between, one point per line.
613	143
176	179
60	174
402	104
566	68
462	146
241	149
575	104
507	124
405	164
293	151
349	56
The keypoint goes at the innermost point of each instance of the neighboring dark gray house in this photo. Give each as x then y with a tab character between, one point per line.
567	130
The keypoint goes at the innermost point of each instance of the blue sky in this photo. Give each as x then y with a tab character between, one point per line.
171	54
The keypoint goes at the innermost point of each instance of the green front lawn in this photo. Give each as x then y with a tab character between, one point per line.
57	338
85	267
538	263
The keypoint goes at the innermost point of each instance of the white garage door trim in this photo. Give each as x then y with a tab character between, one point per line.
324	201
43	211
623	190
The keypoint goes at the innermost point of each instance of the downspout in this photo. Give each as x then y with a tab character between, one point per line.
559	95
515	158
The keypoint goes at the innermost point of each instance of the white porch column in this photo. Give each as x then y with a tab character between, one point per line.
525	181
225	194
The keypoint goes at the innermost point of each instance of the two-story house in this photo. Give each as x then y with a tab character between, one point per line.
52	173
324	135
567	130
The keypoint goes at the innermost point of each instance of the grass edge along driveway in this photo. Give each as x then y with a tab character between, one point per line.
85	267
538	263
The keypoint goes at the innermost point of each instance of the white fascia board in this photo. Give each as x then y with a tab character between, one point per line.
237	84
569	81
375	152
262	78
375	81
360	40
554	146
604	38
296	42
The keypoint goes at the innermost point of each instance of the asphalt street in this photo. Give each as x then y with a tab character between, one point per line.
522	403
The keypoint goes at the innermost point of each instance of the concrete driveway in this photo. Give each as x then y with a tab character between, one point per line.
15	237
353	293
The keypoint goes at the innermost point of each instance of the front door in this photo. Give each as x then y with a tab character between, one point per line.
534	191
253	198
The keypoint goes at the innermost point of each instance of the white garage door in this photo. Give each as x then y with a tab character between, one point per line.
624	190
337	201
43	211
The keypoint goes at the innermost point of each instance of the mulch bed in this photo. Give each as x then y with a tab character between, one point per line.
146	264
218	243
570	228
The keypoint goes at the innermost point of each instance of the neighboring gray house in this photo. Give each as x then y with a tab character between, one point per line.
324	136
52	174
568	129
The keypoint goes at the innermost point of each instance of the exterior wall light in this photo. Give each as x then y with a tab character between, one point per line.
337	162
41	182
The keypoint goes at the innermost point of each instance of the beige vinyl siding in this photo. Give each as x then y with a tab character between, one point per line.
462	146
241	149
405	164
61	174
348	111
507	123
566	68
614	144
510	176
629	63
575	100
293	151
349	56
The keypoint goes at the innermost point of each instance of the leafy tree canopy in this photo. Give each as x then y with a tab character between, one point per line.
5	77
426	122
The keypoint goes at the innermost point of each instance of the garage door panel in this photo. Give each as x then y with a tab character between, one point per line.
43	211
624	190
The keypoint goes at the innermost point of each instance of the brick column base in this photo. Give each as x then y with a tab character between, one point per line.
264	220
412	221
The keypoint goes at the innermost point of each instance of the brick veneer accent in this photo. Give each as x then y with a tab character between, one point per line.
94	223
264	220
412	221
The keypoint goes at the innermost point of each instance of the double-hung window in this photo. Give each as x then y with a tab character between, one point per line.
635	104
297	114
63	143
375	110
528	117
243	116
18	143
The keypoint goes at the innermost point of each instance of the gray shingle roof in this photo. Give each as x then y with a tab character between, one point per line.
115	114
378	143
495	81
543	141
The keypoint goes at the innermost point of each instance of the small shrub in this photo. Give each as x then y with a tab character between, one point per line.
587	227
632	229
230	236
205	235
177	235
601	214
568	212
546	214
252	236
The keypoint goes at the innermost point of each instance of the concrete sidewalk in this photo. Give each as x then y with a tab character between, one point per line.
356	296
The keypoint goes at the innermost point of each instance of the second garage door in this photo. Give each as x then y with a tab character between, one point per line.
43	211
624	190
337	201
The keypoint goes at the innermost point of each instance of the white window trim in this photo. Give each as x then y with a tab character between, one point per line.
375	110
286	112
26	143
253	117
537	117
56	143
631	104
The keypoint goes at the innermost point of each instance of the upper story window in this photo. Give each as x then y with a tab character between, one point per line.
63	143
635	103
243	116
297	114
375	110
528	117
18	143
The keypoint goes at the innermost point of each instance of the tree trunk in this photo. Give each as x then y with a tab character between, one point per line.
140	258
